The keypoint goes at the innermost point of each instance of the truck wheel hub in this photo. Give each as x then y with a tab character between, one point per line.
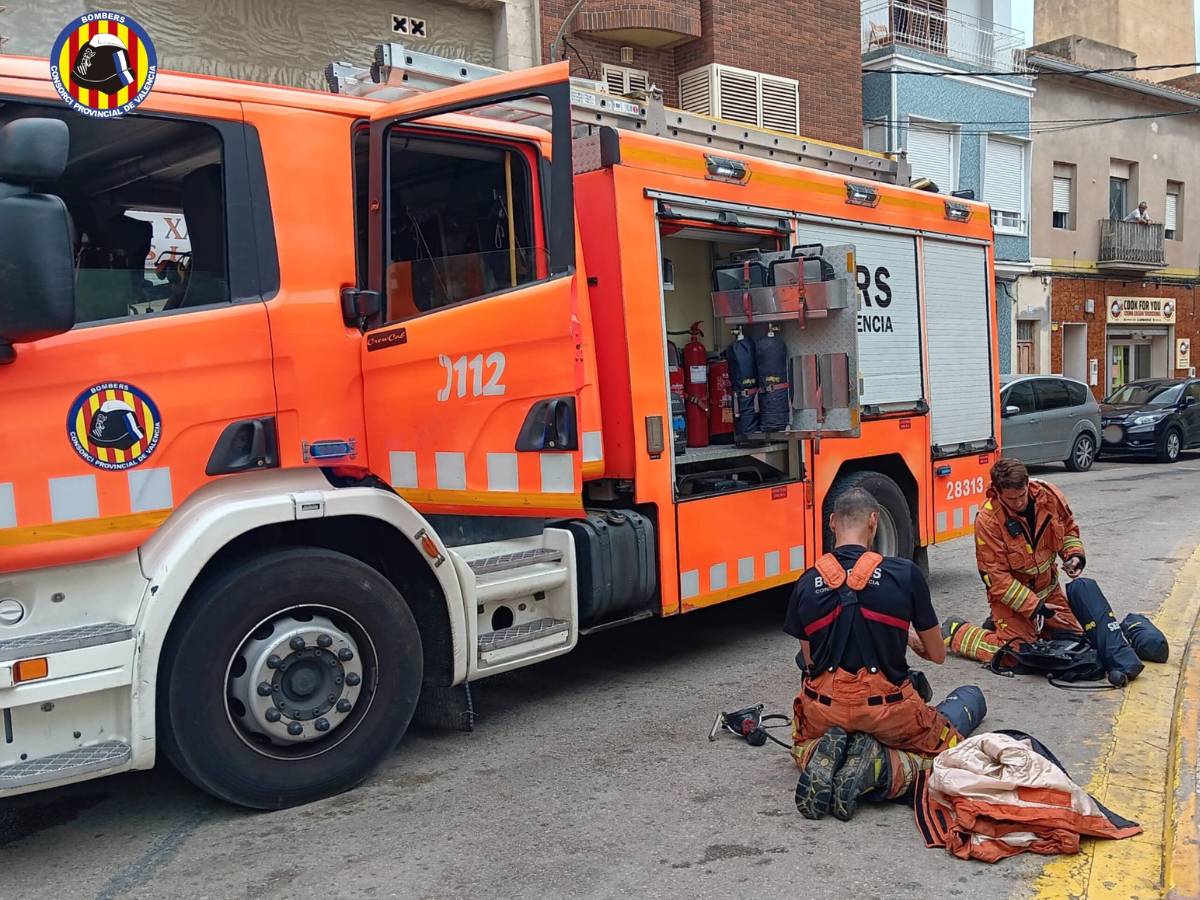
296	680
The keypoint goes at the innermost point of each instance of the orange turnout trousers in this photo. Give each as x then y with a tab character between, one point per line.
911	731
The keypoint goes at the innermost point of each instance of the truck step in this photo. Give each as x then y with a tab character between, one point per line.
520	634
505	561
67	639
81	761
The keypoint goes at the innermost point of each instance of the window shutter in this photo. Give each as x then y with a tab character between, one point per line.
1004	178
1170	212
931	154
737	96
780	104
1062	195
637	80
695	91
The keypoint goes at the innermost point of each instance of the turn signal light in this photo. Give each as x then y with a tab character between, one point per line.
30	669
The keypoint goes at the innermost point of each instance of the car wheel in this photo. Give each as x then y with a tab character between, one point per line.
1083	453
288	678
1170	446
895	536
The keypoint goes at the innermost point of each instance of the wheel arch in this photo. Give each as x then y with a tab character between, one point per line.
217	527
894	467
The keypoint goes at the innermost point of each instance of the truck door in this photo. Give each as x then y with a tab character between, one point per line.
114	423
472	360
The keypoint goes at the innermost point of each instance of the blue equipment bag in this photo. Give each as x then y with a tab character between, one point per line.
1103	632
1148	642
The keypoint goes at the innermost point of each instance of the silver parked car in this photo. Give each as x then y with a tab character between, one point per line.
1048	418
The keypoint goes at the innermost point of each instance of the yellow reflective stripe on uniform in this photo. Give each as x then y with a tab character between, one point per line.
1072	543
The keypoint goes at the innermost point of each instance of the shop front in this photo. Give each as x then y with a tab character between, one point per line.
1139	339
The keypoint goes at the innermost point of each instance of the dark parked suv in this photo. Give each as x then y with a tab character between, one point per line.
1155	416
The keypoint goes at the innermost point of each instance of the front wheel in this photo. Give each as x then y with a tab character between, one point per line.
1170	446
1083	453
895	536
288	678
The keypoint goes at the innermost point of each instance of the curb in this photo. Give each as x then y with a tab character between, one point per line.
1150	781
1181	840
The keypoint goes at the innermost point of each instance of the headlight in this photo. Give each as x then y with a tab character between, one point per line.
1149	418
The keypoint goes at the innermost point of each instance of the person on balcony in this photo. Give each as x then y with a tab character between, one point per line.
1139	215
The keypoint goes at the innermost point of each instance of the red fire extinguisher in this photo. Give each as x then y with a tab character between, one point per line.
695	371
720	402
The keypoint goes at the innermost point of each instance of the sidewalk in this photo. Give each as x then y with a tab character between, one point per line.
1148	772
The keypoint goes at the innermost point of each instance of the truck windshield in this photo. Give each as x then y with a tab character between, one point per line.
1153	393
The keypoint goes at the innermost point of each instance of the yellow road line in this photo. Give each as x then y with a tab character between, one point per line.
1181	844
1135	775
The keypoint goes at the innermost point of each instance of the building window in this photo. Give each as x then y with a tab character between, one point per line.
1004	184
1121	183
931	154
1173	212
624	80
1063	196
740	95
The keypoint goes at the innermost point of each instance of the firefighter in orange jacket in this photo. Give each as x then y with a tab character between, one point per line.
1022	531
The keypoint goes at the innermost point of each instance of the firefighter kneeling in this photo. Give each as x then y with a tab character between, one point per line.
1022	528
861	730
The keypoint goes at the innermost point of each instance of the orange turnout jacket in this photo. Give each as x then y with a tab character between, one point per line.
994	796
1020	569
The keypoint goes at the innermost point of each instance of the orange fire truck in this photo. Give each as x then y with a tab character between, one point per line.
319	407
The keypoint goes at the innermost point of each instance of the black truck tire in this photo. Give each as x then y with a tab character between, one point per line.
896	536
309	627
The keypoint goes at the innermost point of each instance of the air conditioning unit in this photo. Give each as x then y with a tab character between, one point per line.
741	95
622	80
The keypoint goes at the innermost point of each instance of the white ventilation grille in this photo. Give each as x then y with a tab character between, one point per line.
622	80
739	95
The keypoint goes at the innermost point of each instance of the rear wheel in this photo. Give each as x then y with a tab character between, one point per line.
288	678
895	536
1083	453
1170	446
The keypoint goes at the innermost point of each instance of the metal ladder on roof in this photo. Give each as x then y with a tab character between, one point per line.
398	72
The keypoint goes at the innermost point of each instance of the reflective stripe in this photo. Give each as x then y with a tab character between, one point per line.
74	498
941	522
771	564
745	570
451	471
958	517
558	477
403	464
796	559
502	472
718	578
150	489
974	512
8	507
593	446
689	584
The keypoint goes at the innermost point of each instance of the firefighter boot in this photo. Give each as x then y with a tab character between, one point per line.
814	789
865	771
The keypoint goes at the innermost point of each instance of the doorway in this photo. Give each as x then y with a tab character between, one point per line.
1128	361
1074	358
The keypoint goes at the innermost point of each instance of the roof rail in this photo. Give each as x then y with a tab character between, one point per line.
398	72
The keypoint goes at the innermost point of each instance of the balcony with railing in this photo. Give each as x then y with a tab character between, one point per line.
927	26
1131	245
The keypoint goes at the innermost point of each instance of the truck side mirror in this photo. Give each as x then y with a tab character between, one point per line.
37	274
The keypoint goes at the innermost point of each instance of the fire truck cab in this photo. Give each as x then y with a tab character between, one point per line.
321	407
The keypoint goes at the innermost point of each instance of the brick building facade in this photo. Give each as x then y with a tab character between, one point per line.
816	43
1105	341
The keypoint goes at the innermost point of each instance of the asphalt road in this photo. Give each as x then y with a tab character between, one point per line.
591	776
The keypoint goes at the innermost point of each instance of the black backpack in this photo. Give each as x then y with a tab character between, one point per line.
1065	658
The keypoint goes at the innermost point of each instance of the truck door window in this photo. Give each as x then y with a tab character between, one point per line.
147	203
461	223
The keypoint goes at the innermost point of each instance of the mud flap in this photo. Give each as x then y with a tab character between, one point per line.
445	707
